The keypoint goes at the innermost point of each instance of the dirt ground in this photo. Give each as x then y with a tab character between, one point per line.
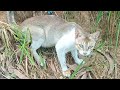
103	64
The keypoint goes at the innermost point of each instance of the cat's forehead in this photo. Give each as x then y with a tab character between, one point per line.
86	39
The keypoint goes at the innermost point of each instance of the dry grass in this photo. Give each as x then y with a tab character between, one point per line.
103	64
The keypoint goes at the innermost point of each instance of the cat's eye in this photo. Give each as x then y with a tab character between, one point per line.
81	46
90	47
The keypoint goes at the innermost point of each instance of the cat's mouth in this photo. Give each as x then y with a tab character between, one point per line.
83	54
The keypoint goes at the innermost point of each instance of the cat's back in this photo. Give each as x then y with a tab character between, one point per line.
46	27
44	20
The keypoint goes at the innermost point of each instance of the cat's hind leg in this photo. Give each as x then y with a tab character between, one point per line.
34	46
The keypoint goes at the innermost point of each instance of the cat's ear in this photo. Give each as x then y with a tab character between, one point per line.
78	31
77	34
95	35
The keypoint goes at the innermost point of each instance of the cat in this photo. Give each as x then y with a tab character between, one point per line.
51	30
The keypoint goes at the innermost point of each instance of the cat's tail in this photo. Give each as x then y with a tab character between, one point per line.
11	17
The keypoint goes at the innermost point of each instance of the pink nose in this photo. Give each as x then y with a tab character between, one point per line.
85	53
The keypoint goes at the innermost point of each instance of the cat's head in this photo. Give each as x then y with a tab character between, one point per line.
85	43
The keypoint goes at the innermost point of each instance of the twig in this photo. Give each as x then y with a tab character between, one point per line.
2	48
90	77
26	65
110	61
84	76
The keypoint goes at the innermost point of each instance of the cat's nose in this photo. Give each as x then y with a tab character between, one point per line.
85	53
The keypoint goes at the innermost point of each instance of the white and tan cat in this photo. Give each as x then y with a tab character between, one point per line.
50	30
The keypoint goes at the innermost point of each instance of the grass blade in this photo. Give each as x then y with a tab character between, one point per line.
76	70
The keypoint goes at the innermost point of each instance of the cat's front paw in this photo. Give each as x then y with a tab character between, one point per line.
67	73
42	63
80	61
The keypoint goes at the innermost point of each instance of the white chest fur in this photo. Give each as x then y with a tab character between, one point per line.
67	41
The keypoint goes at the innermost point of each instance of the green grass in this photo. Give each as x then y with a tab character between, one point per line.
100	45
21	38
76	70
117	35
112	18
99	18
